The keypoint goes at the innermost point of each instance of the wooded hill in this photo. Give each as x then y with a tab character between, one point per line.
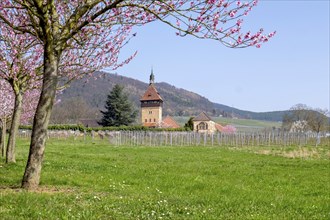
85	97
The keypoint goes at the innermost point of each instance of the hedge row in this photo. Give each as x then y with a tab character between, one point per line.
89	129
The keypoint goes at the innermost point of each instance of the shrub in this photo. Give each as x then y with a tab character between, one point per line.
89	129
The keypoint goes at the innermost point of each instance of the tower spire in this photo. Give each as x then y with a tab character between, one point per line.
152	77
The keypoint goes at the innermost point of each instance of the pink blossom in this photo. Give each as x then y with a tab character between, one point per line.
229	129
232	13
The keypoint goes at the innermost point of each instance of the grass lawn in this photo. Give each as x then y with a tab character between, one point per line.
86	180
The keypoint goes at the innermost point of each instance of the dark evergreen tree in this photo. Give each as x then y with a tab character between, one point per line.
190	124
119	110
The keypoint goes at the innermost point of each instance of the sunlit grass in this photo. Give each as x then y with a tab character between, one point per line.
93	180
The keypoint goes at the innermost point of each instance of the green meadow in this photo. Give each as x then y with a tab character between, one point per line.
240	124
94	180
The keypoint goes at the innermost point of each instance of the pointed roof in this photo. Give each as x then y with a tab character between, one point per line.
169	122
202	117
152	77
151	94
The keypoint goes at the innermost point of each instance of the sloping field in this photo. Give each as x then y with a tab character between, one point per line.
86	179
240	124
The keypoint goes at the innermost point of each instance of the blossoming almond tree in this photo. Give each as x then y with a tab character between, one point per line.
229	129
6	110
28	107
20	60
98	29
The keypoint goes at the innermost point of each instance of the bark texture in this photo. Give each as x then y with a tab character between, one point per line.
10	153
3	137
32	173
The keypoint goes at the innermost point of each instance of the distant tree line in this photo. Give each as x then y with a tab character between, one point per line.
82	128
302	118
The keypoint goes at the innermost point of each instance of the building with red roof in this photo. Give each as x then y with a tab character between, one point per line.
152	108
151	105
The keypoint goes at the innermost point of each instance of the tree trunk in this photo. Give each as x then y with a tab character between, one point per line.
32	172
318	139
3	137
10	154
1	144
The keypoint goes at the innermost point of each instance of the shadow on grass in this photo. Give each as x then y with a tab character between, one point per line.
40	189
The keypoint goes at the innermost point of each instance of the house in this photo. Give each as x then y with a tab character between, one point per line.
204	124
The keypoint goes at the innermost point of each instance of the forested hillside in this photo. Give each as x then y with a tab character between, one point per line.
85	97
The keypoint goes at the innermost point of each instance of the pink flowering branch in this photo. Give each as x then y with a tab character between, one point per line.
20	64
217	20
6	100
6	109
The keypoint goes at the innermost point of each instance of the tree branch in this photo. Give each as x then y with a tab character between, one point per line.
71	24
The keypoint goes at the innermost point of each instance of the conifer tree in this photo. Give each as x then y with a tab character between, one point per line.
119	110
189	125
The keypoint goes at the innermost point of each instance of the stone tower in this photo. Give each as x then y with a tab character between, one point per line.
151	105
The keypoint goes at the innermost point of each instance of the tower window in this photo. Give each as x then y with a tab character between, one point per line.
150	112
146	120
149	119
154	120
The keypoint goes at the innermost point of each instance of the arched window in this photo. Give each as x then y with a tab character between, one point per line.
202	126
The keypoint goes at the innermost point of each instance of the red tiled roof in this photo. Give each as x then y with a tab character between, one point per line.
219	127
169	122
202	117
151	94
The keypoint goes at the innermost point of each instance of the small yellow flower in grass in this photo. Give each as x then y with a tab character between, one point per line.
97	198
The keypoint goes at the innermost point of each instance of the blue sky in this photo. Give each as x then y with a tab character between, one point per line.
292	68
